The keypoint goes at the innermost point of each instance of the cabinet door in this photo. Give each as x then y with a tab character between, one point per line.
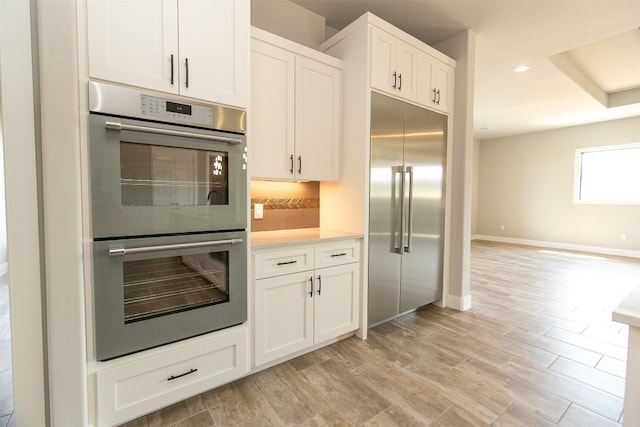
213	45
317	128
284	316
393	65
425	93
434	81
336	301
443	76
406	64
272	111
383	61
132	42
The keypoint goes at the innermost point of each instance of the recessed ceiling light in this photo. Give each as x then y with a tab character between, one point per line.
521	69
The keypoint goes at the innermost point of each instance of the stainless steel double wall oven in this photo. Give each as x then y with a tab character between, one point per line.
169	218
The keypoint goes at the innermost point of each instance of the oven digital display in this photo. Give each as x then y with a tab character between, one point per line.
174	107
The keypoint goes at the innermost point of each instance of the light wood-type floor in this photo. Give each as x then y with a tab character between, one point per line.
537	349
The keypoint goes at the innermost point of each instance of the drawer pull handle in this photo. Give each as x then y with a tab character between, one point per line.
335	255
175	377
287	262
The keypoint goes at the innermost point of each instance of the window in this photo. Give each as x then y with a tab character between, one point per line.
608	175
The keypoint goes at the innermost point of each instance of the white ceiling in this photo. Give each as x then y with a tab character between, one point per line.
514	32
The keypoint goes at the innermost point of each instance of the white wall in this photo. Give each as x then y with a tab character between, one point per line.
4	266
62	213
20	148
462	48
476	187
289	20
526	184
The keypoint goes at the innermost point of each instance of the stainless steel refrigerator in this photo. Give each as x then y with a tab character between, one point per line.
406	207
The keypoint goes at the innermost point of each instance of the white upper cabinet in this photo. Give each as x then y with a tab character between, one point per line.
317	120
434	83
272	114
393	65
403	66
295	110
188	47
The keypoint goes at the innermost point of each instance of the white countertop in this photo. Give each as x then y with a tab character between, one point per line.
628	311
263	239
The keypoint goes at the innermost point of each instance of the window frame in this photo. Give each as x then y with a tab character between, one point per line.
577	181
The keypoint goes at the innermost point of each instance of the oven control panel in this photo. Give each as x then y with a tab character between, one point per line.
170	111
129	102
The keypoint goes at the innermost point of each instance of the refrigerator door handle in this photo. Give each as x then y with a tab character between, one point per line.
409	223
397	209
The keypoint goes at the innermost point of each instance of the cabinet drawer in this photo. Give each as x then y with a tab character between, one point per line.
142	384
270	264
337	254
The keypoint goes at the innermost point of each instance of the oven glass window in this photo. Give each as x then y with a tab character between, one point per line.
152	175
161	286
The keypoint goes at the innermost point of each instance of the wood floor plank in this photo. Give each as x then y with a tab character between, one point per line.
473	317
458	417
580	417
352	398
202	419
292	398
592	376
176	413
403	390
479	398
471	347
522	393
589	397
330	418
517	416
237	403
592	344
392	417
515	347
560	348
613	366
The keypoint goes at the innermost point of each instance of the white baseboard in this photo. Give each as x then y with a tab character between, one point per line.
558	245
459	303
4	268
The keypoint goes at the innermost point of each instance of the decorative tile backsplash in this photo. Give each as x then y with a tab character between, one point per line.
286	205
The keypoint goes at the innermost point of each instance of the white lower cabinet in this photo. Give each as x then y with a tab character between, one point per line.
296	310
132	386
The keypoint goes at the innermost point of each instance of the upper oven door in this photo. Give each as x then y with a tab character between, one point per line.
149	178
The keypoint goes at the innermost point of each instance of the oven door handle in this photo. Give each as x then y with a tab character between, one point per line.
169	132
121	250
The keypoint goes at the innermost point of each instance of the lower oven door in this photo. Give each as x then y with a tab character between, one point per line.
156	290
